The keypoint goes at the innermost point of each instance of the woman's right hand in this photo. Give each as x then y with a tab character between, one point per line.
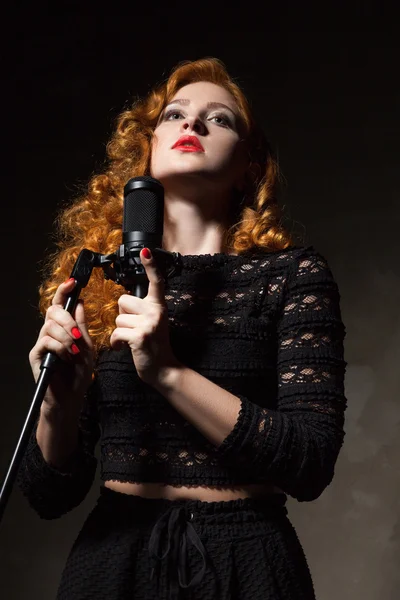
73	374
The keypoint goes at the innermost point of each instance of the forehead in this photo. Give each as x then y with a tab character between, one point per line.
204	91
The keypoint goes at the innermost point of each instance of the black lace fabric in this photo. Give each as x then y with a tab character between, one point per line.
265	327
52	492
298	444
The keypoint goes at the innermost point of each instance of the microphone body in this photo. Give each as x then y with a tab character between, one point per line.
143	220
142	227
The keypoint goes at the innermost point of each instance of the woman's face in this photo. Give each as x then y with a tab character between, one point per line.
208	114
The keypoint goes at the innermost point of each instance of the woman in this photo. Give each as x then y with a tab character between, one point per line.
216	395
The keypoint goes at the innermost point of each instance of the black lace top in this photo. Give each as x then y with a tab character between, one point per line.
265	327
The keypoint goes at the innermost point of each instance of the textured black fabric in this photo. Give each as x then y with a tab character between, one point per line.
266	327
252	552
180	532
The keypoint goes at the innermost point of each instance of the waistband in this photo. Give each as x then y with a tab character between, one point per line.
179	522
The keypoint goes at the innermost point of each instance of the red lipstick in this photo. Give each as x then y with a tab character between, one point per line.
188	143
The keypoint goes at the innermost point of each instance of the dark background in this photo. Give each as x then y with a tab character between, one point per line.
324	84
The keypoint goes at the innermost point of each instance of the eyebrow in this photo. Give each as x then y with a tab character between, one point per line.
186	101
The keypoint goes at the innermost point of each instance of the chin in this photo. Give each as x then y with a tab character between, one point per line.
180	176
180	166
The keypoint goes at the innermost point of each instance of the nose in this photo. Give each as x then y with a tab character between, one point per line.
194	124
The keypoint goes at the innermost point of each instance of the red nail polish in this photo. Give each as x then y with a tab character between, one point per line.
76	333
75	349
68	280
146	253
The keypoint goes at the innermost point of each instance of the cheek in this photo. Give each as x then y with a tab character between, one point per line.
229	152
153	158
239	154
156	154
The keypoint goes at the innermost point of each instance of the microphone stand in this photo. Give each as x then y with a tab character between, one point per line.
125	268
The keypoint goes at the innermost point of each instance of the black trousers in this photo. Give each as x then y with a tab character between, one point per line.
156	549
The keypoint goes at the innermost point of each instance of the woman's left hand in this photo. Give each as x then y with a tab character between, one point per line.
143	324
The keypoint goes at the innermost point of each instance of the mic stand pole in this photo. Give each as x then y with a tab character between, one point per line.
127	265
81	273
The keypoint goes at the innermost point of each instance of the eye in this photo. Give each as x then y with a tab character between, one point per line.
221	120
172	115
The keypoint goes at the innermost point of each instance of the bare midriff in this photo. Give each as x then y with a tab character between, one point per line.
204	494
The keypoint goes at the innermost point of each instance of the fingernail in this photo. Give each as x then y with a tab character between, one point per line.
75	349
68	280
146	253
76	333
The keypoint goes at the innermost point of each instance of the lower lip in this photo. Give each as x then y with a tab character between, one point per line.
188	149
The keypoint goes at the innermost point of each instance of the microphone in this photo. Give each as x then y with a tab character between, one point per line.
142	227
143	220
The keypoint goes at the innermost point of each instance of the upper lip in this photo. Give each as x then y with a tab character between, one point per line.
192	139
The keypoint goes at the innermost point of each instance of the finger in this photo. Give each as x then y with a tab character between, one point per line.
77	331
56	331
130	304
127	320
60	297
56	313
49	344
80	319
120	335
156	291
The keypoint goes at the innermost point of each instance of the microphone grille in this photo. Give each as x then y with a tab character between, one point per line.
143	205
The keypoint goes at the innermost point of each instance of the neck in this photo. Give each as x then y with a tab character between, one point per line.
193	225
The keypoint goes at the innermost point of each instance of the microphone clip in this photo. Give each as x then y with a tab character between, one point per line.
126	269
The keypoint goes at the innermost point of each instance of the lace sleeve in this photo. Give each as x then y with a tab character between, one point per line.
52	492
297	445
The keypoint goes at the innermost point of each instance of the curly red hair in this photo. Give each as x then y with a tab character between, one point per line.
94	220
